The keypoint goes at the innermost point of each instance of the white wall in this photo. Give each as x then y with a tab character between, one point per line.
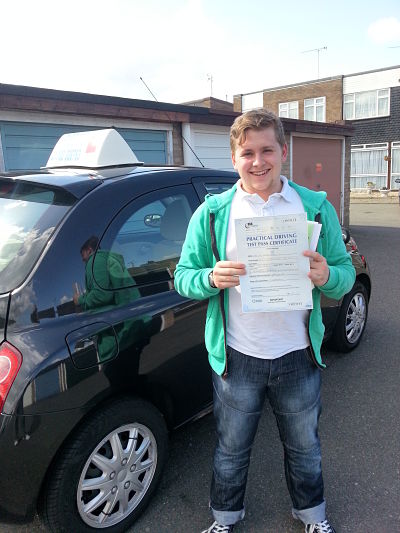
371	81
252	101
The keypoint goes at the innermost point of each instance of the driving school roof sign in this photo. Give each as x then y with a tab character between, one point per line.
92	149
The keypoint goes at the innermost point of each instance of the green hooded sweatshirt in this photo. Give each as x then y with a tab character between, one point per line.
103	278
197	261
108	285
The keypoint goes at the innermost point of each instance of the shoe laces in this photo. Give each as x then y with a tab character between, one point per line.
218	528
321	527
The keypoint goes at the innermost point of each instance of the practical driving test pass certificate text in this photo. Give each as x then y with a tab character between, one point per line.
276	270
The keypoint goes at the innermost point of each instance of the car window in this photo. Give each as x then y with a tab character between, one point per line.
144	241
217	188
29	214
213	184
137	223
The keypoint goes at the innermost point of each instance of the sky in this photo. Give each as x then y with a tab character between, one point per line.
189	49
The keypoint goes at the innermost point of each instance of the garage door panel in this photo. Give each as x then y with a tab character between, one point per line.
211	147
212	139
16	141
216	152
29	145
31	159
219	164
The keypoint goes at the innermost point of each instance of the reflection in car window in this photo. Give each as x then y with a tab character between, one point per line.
216	188
148	237
29	214
136	222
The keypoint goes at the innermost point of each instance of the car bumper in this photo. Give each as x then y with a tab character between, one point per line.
28	445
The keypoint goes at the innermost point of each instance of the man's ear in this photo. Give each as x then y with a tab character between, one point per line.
233	160
284	152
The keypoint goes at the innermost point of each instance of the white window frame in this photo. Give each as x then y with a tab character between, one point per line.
379	178
314	103
350	98
395	174
2	164
287	109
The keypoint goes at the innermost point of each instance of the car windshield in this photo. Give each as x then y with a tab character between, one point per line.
29	214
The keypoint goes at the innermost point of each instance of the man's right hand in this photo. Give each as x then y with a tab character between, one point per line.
226	274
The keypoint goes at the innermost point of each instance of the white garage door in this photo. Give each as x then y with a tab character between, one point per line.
210	144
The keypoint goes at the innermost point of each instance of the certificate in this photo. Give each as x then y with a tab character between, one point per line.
276	270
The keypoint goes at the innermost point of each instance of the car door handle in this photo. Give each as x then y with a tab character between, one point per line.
92	344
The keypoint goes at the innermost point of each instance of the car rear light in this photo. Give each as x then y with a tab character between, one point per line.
10	363
353	244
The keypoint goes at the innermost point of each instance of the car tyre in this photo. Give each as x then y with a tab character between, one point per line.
351	320
108	470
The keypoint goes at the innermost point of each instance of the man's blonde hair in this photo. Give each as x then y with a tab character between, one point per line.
258	119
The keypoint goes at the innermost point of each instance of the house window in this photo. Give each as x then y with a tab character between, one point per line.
368	164
367	104
289	109
314	109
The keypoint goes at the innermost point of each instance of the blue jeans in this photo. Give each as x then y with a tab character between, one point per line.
292	386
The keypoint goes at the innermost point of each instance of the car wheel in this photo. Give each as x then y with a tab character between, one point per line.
108	471
351	320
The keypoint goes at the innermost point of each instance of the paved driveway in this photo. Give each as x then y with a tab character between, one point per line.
360	431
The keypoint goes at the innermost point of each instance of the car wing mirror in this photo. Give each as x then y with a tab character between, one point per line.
345	235
153	220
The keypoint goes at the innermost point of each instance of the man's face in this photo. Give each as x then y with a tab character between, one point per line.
85	254
259	162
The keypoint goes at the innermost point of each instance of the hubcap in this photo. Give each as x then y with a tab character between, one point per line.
117	475
356	317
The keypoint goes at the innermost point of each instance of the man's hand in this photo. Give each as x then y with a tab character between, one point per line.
226	274
319	270
76	298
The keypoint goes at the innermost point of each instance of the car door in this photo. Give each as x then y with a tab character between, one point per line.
160	334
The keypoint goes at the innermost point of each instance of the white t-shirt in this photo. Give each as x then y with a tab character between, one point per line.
263	335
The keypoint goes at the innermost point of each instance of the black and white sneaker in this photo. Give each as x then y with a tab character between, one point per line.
217	528
321	527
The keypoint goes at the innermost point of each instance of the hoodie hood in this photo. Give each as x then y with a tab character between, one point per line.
312	200
215	202
110	255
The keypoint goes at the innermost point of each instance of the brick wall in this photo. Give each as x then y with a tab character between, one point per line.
237	104
331	89
286	164
177	144
346	191
378	130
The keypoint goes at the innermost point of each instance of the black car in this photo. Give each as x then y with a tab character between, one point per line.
100	358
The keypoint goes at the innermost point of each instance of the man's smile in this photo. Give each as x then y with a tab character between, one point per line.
259	172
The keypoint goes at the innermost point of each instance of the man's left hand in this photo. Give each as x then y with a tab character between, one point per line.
319	270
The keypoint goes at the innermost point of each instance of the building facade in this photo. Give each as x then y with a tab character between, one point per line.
369	101
33	119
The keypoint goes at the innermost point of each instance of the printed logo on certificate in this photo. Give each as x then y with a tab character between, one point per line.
276	269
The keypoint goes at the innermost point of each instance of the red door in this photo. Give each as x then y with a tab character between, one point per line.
317	164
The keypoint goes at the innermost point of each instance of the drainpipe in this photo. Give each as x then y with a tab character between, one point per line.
388	158
2	162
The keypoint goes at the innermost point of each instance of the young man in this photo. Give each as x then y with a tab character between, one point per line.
257	355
